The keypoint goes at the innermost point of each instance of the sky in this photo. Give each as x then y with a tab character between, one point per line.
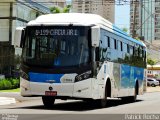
122	14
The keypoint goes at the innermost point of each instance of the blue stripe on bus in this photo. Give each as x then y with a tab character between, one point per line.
129	74
42	77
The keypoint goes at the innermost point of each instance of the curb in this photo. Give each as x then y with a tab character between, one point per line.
7	100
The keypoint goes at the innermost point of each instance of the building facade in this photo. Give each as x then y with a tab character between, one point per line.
145	22
101	7
14	13
145	19
153	71
135	19
157	20
52	3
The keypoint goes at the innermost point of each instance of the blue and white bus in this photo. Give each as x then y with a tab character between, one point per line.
79	56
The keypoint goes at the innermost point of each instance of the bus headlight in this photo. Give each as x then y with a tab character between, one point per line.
83	76
24	75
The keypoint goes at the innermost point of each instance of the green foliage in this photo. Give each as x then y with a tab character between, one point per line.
66	9
15	83
55	10
151	61
137	38
125	30
6	84
58	10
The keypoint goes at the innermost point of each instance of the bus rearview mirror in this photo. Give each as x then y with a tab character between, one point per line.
18	37
95	36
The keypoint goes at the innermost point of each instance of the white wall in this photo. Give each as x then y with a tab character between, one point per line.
4	30
4	9
4	23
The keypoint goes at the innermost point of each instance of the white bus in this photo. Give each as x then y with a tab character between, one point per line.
79	56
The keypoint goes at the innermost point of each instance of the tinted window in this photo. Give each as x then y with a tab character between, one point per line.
108	41
121	46
115	44
57	46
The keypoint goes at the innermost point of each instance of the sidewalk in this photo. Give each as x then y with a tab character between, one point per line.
7	100
13	97
153	89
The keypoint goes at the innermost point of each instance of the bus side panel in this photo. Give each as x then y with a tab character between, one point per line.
145	81
25	87
127	80
125	76
139	75
124	80
109	71
129	76
83	89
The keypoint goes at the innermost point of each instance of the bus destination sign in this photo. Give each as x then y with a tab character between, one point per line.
57	32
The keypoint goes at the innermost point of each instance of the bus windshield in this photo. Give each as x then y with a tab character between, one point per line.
57	46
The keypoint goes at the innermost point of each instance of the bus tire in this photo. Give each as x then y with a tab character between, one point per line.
132	98
48	101
102	102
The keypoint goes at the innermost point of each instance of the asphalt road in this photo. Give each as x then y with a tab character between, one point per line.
149	103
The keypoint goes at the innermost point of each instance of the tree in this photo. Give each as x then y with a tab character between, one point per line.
137	38
67	9
125	30
58	10
55	10
151	61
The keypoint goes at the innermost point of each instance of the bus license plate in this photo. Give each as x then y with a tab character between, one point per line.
51	93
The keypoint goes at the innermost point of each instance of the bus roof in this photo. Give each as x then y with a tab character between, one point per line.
79	19
69	18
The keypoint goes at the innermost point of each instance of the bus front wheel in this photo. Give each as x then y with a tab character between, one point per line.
48	101
103	102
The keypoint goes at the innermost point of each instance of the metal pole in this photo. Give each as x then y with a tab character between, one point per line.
134	19
141	17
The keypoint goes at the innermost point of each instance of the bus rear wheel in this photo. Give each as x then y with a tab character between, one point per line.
48	101
134	97
131	98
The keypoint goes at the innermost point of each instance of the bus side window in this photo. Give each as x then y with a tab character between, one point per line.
121	46
108	41
128	48
133	50
115	44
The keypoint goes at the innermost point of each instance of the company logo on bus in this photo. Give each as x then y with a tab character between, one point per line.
50	81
